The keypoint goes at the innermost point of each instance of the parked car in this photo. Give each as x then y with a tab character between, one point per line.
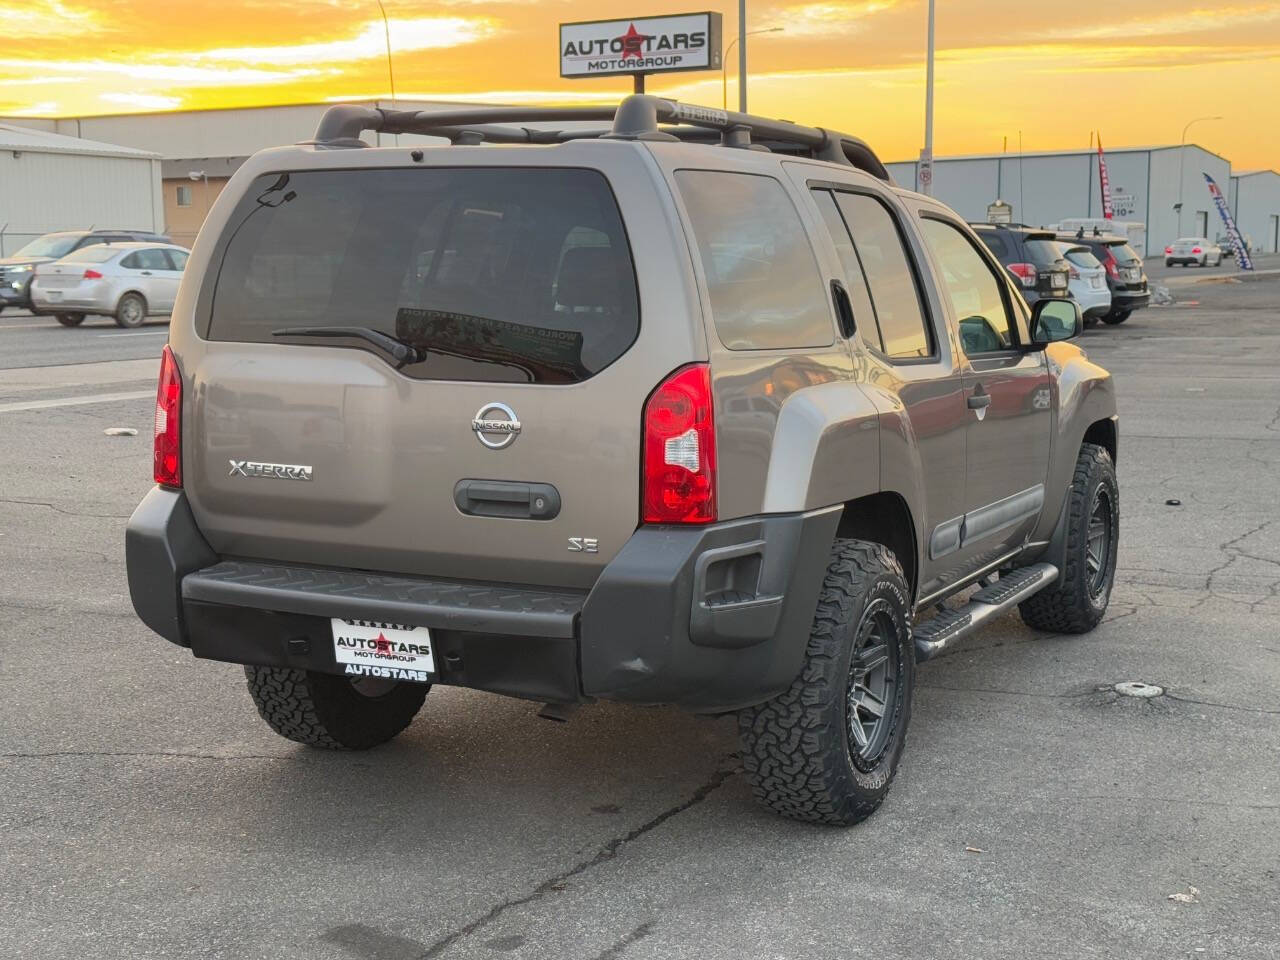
127	281
1188	250
491	433
17	269
1126	277
1088	283
1032	256
1224	241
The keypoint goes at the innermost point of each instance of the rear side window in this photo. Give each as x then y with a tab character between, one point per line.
499	274
762	275
177	259
146	260
894	294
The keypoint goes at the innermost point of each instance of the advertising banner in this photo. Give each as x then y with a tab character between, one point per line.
1237	244
685	41
1107	210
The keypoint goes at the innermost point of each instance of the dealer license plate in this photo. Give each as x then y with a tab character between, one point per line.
1095	282
53	295
1059	280
367	648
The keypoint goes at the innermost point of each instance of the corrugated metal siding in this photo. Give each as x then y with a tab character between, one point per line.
1258	209
43	192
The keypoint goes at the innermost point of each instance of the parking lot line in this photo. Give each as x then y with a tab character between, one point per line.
74	401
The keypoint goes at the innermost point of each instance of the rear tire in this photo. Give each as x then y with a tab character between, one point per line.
328	711
131	311
1119	316
1076	602
805	758
71	319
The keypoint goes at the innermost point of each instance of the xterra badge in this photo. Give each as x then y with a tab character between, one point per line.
273	471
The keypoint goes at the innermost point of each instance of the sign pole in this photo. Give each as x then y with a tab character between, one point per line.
639	83
742	56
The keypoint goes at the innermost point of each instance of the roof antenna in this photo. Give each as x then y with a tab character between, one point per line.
391	76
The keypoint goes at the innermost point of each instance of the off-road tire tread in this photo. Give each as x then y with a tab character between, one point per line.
1058	608
792	745
323	711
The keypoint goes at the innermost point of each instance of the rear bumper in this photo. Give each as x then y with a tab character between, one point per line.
1130	301
710	618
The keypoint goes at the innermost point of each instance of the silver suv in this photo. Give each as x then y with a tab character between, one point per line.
695	408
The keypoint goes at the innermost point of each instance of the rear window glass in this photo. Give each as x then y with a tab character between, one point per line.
98	253
1043	251
762	276
499	274
995	243
1123	252
1081	257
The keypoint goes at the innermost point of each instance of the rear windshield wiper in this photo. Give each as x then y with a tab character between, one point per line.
400	351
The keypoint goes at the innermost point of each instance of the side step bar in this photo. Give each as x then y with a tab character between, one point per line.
937	633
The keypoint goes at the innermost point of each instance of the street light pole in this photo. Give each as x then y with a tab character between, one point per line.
724	64
927	184
742	56
1182	155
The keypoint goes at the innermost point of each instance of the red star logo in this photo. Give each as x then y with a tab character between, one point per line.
632	43
382	643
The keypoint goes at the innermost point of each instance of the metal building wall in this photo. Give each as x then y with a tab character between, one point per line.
1255	205
43	192
1162	219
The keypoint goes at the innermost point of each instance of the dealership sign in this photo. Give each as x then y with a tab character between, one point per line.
686	41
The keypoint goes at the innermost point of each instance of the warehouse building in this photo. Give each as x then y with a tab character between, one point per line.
1147	183
49	182
201	149
1255	206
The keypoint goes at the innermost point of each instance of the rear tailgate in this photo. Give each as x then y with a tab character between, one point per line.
511	453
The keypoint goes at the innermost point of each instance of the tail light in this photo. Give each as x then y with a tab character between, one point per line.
1026	272
167	451
92	275
680	449
1195	249
1168	249
1075	274
1112	265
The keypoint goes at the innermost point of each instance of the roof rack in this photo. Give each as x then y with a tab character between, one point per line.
637	117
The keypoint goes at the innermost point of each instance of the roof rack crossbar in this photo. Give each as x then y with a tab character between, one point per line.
637	117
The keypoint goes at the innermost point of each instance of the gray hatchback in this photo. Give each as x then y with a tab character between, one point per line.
695	408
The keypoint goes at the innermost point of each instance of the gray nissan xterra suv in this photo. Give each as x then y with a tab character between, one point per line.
697	408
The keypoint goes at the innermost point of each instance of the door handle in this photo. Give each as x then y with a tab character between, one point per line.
844	308
146	273
979	400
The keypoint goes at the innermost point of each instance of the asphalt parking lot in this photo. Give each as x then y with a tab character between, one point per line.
147	812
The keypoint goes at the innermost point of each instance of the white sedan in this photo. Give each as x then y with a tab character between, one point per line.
127	281
1201	251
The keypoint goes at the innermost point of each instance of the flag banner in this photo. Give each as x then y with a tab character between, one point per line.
1107	210
1237	244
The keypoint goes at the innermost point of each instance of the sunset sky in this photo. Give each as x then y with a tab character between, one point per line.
1137	70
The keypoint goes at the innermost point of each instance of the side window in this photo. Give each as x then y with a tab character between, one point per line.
177	259
864	316
132	262
974	289
889	276
762	276
151	260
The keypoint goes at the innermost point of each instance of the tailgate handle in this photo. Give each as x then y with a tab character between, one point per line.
505	498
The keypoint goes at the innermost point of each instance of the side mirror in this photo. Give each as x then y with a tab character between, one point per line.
1054	320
